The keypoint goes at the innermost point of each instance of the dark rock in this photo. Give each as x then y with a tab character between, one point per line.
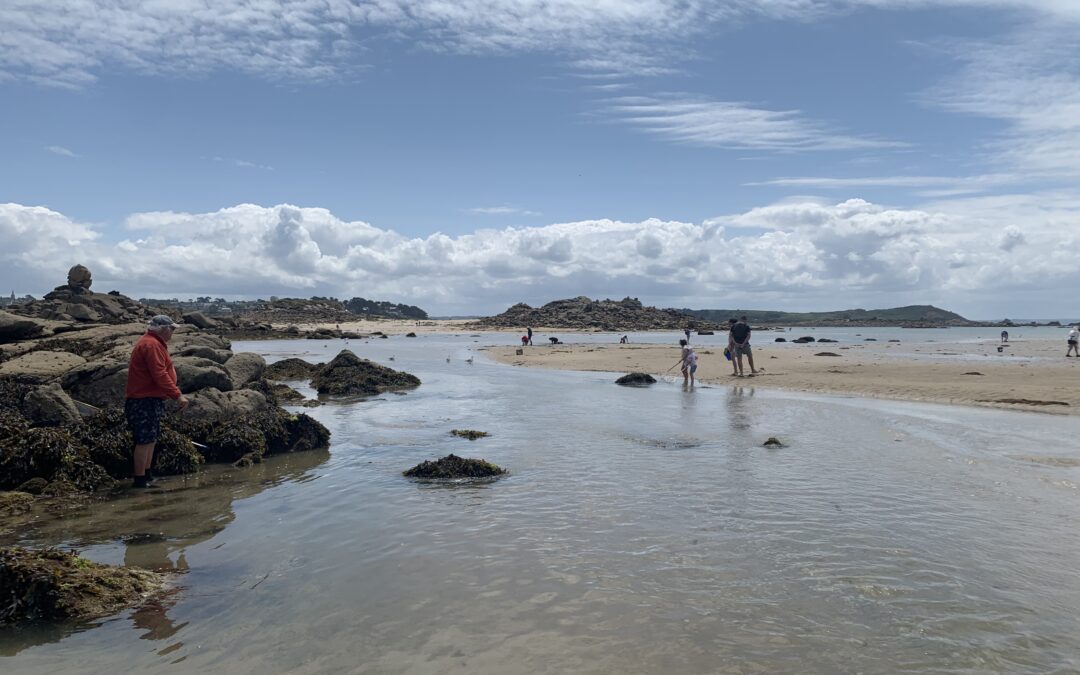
453	466
705	332
773	442
825	340
869	339
292	369
14	328
973	372
410	334
199	320
34	486
80	277
826	354
636	380
12	503
803	340
348	374
780	340
470	434
53	585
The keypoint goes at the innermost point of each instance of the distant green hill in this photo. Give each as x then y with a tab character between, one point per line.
917	315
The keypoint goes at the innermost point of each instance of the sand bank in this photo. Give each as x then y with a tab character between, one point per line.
959	373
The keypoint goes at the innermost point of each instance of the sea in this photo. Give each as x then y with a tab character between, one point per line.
640	530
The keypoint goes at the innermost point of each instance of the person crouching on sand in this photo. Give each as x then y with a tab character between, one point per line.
739	338
151	380
1074	340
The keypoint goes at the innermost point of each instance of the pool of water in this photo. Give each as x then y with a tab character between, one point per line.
640	530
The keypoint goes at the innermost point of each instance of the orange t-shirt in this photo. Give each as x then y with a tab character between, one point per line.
150	371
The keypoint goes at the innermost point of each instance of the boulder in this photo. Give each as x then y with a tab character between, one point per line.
803	340
50	406
780	340
14	328
826	340
213	405
40	366
199	320
348	374
100	383
636	380
826	354
78	312
244	368
193	374
203	352
79	277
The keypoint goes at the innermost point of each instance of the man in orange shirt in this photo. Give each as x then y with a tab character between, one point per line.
151	380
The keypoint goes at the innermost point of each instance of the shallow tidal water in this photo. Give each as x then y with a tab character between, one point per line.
640	531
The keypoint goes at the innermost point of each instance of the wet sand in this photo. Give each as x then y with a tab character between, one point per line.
958	373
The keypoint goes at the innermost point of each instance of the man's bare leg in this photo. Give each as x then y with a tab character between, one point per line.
144	454
750	358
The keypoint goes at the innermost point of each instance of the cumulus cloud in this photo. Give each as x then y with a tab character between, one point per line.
795	254
60	150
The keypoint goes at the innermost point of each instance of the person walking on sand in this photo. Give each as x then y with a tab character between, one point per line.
739	337
729	351
690	359
1074	340
687	331
151	380
684	365
529	333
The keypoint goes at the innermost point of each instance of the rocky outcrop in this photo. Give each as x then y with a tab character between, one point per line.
636	380
292	369
245	368
75	302
99	383
453	466
348	374
52	585
199	320
581	313
40	366
213	405
13	328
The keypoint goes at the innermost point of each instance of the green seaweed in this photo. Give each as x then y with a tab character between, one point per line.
453	466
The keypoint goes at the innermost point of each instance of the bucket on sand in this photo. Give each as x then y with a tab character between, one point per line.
519	352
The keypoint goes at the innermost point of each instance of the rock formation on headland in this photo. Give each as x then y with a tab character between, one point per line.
62	427
581	313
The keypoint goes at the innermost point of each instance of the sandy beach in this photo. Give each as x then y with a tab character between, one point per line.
1027	375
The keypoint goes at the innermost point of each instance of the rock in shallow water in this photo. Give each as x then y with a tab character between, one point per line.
348	374
453	466
636	380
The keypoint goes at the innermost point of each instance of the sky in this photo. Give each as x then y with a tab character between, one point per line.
464	156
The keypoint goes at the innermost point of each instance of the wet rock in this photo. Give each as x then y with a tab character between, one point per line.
244	368
410	334
869	339
773	442
803	340
40	366
780	340
34	486
825	340
636	380
99	383
286	394
453	466
199	320
12	503
54	585
348	374
973	372
291	369
705	332
470	434
193	374
826	354
50	406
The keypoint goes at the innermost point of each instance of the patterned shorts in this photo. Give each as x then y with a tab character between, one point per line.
144	418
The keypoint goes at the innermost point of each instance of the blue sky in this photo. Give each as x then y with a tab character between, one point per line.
788	154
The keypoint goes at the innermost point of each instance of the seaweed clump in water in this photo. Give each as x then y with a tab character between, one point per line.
52	454
291	369
453	466
348	374
52	584
470	434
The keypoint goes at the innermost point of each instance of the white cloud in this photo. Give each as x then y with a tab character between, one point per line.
798	254
728	124
60	150
502	211
69	42
935	185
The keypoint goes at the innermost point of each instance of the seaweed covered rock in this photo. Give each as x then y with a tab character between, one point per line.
636	380
349	374
453	466
268	432
53	585
470	434
15	502
291	369
50	406
48	453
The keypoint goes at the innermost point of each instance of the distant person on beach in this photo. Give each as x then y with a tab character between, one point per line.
1004	336
529	329
684	360
623	340
525	340
729	351
739	339
151	380
690	361
687	331
1074	340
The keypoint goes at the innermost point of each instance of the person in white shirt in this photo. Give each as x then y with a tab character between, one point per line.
1074	340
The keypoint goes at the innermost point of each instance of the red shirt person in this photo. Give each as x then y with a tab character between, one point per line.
151	380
